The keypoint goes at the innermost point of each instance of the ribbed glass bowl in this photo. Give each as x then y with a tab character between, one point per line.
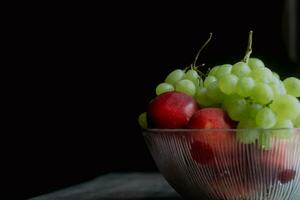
213	164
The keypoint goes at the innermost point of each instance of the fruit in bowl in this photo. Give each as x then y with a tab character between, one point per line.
231	133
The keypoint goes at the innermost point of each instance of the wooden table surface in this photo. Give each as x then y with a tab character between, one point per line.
117	186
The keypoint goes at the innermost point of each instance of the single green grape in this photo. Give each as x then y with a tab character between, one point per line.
223	70
262	93
212	71
284	128
286	107
227	83
202	98
236	107
253	109
247	133
277	87
292	86
208	80
175	76
264	75
241	69
143	120
244	86
297	122
214	92
275	75
193	76
255	63
186	86
164	87
265	118
265	140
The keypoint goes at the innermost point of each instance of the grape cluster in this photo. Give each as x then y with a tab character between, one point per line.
251	94
181	81
263	105
255	96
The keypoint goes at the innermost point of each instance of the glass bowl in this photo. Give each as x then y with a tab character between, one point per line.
214	164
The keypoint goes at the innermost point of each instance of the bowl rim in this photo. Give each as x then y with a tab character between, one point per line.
193	131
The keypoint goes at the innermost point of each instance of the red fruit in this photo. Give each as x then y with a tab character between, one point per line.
202	152
212	146
286	176
211	118
272	158
171	110
276	162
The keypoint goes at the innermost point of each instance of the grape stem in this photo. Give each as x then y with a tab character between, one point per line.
198	53
249	48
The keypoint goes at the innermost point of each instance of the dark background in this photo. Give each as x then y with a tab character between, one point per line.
93	69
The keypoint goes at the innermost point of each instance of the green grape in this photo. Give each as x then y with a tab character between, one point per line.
265	140
236	107
227	83
284	124
214	92
241	69
244	86
246	132
286	107
253	109
208	80
212	71
223	70
297	122
164	87
286	132
255	63
262	93
264	75
202	98
143	120
186	86
275	75
175	76
292	86
193	76
265	118
277	87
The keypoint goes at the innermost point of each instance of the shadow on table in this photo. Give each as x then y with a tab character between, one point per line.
143	198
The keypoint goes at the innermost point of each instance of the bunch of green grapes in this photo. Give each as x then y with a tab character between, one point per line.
251	94
254	96
186	81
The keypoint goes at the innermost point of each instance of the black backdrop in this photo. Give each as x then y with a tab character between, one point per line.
96	69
